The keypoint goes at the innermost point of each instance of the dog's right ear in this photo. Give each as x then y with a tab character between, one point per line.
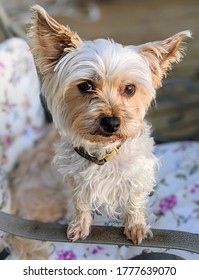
49	41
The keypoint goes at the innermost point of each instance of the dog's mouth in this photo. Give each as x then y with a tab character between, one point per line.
103	137
102	133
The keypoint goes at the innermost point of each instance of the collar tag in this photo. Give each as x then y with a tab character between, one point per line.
110	155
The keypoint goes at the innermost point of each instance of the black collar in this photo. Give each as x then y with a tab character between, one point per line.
94	159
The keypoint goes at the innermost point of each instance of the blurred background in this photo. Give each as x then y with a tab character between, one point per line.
176	114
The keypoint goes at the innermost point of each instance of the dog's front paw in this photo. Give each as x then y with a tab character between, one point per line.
137	233
79	228
77	232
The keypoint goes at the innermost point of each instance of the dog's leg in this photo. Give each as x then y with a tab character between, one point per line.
79	227
136	228
78	216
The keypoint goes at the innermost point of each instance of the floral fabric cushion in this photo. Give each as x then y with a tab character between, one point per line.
21	114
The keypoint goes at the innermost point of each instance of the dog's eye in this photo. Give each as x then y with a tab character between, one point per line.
130	90
86	87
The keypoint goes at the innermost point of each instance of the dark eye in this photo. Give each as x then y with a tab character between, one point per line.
86	87
130	90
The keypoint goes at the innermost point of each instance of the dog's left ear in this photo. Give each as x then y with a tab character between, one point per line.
160	55
49	40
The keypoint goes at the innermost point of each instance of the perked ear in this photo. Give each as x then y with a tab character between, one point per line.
160	55
49	40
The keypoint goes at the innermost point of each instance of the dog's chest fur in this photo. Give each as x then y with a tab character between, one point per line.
131	170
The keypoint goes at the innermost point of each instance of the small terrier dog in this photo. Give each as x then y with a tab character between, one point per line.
98	93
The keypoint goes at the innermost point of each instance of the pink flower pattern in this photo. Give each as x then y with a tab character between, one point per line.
66	255
168	203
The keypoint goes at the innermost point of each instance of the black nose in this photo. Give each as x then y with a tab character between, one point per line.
110	124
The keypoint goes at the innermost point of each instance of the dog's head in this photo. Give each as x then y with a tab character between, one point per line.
98	90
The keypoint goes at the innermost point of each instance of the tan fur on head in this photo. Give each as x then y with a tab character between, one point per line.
85	123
